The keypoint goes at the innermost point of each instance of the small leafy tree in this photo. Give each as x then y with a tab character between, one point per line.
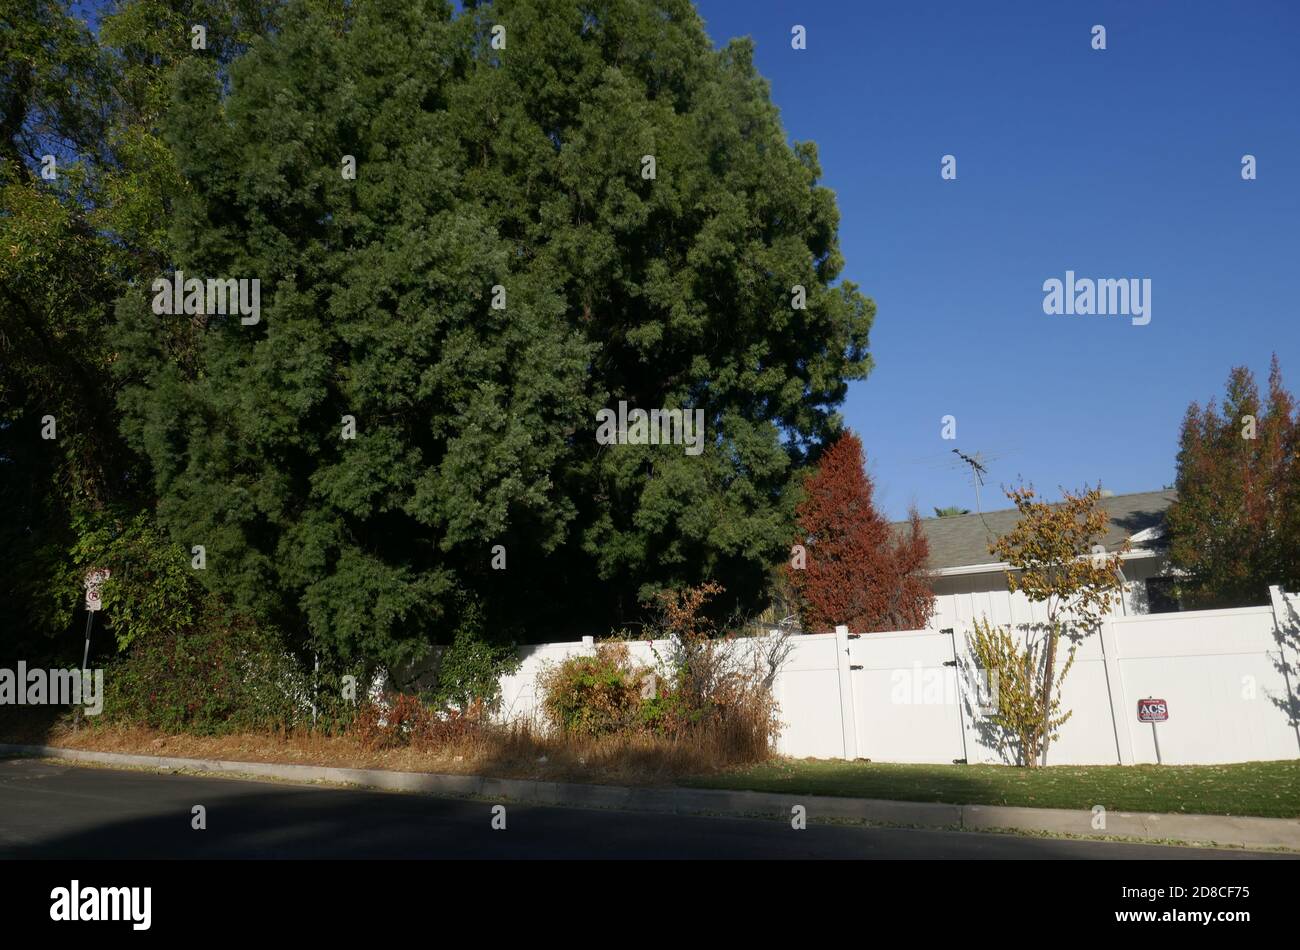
717	684
1056	557
697	661
858	571
1013	670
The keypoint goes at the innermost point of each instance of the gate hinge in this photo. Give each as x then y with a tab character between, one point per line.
949	662
855	666
960	762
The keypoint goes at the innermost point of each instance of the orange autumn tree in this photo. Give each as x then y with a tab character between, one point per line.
854	568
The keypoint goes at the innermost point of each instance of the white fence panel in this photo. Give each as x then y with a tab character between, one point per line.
1218	670
1231	678
807	690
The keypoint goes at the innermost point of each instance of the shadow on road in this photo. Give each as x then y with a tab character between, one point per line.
49	810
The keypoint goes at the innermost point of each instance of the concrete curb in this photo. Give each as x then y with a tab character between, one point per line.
1201	829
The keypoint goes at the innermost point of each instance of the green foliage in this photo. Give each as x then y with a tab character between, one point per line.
469	670
153	589
56	287
1015	675
337	694
476	167
70	248
208	678
475	425
52	79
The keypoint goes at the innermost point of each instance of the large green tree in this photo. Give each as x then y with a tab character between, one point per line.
502	147
60	454
85	186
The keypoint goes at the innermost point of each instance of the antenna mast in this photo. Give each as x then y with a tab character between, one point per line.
978	471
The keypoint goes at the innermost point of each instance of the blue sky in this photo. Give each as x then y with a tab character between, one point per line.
1117	163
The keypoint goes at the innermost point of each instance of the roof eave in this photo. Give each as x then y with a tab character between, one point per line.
1135	554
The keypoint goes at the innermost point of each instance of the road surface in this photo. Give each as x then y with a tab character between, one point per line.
54	810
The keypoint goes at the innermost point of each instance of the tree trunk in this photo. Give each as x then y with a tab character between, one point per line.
1049	671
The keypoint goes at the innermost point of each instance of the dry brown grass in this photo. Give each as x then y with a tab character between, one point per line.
504	751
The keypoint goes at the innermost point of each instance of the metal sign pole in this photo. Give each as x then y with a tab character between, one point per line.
90	620
85	658
1154	711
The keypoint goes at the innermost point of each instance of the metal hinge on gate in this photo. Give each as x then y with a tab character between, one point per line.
960	762
855	666
855	636
949	662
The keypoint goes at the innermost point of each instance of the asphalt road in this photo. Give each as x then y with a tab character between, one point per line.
50	810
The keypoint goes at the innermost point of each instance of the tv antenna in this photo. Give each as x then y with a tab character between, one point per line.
977	471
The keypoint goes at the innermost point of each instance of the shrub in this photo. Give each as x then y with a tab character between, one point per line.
711	694
470	670
391	724
214	676
597	695
720	684
407	720
722	690
153	589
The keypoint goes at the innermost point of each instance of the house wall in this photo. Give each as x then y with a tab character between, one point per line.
964	598
1229	676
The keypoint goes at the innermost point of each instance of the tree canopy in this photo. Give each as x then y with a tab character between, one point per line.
855	569
1235	527
471	231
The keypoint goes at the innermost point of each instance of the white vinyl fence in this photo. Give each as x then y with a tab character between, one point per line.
1229	678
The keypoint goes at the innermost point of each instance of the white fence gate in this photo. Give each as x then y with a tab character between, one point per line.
907	704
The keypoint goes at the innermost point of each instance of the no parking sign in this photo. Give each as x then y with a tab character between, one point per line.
94	581
94	601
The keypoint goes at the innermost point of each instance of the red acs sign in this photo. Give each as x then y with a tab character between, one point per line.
1153	710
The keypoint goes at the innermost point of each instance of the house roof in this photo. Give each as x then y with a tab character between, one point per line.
963	540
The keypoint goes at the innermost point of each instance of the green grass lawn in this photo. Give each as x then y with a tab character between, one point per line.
1270	789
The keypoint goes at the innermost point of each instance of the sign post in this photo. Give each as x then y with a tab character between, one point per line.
94	580
1153	711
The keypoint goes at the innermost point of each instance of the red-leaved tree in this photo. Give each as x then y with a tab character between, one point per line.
1235	528
856	571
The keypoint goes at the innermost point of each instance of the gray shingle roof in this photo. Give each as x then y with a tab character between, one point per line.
962	540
